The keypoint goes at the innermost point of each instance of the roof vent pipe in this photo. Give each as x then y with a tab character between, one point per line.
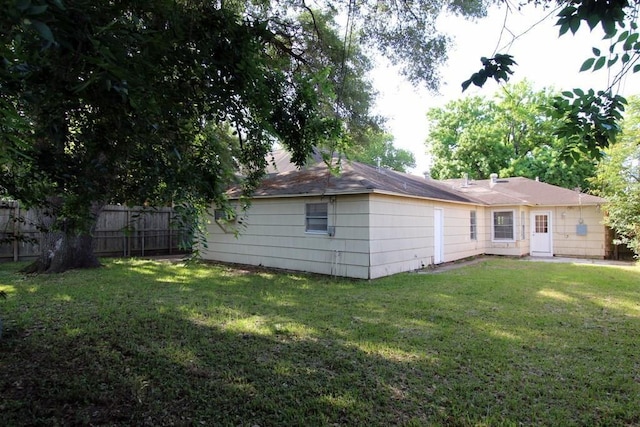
465	180
494	178
427	175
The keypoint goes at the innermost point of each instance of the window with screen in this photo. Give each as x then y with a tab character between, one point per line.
503	226
473	226
317	220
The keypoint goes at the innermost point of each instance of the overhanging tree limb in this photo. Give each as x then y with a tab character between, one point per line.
589	118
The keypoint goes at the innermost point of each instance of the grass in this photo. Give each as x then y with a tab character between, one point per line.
503	342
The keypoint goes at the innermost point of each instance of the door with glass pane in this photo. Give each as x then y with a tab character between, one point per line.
541	244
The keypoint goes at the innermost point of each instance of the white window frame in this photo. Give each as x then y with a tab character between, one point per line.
473	225
315	217
513	226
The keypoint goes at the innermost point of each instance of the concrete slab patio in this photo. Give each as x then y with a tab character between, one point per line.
464	263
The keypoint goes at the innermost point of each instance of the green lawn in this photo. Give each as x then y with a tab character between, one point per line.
502	342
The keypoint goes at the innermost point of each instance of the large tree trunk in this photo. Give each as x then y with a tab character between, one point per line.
64	248
63	251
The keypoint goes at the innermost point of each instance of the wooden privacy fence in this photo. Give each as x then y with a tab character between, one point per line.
121	232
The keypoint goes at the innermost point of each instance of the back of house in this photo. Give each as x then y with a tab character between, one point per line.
367	222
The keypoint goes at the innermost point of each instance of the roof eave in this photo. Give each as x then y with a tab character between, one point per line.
360	192
313	194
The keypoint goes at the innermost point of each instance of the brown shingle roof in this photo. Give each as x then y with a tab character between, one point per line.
523	191
285	180
354	178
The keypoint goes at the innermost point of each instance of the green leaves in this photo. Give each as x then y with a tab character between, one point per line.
381	151
164	101
497	68
588	121
43	29
512	134
609	14
618	179
568	20
587	64
27	16
625	49
27	7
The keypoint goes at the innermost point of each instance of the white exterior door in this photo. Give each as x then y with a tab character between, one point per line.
438	236
541	242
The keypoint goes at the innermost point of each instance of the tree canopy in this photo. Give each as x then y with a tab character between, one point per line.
147	103
618	180
588	119
166	101
380	151
512	134
169	101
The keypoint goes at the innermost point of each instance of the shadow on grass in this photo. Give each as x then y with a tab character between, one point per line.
154	344
188	374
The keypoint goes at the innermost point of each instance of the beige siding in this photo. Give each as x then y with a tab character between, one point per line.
520	245
457	232
273	234
402	234
378	235
375	236
567	242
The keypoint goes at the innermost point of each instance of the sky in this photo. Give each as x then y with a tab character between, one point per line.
543	58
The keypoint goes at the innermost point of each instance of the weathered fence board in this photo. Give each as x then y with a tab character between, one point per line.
120	231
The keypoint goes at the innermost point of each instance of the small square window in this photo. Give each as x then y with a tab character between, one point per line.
542	224
316	220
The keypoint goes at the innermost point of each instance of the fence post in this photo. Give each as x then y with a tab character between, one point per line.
169	214
144	226
16	232
127	235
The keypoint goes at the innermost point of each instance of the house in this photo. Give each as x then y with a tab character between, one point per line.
366	222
